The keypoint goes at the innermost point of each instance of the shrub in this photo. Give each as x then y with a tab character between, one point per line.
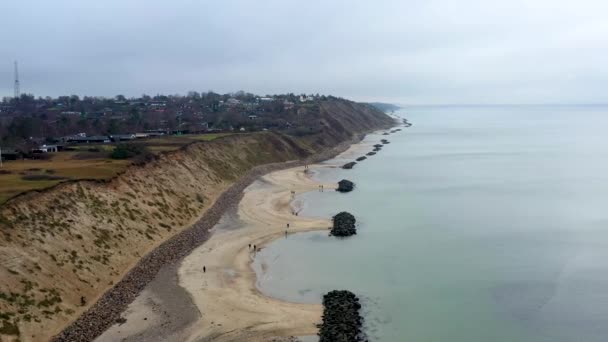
126	151
41	177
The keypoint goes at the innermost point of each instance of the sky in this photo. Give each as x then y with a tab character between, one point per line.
405	52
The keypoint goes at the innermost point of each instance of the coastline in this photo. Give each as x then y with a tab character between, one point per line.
226	295
109	307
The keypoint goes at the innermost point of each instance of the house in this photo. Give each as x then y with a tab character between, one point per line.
87	140
242	129
158	104
9	154
252	117
70	113
141	135
48	148
306	98
287	105
122	137
231	102
156	132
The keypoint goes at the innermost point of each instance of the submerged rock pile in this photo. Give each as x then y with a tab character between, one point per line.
406	123
345	186
370	153
344	224
361	158
377	147
385	133
341	318
384	141
349	165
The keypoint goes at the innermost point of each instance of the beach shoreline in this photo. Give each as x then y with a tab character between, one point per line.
229	304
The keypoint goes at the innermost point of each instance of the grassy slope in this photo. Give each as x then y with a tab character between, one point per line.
79	238
80	164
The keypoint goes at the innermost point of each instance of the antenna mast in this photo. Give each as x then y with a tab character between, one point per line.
17	91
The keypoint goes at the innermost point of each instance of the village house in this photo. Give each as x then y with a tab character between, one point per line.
141	135
231	102
287	105
9	154
46	149
87	140
122	137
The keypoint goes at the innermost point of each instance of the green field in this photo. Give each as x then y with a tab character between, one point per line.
86	162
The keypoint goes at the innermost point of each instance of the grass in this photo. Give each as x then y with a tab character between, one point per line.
174	142
18	176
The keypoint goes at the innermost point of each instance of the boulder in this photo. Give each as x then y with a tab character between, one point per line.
344	224
345	186
349	165
342	320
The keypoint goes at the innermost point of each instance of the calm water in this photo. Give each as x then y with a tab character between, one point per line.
476	224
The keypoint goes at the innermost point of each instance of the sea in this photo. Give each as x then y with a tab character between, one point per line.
476	224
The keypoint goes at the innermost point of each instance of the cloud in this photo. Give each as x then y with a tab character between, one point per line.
439	51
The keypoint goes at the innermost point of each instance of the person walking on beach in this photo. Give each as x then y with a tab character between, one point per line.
249	246
204	269
288	225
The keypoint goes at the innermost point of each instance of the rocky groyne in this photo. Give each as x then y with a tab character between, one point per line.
344	224
341	318
349	166
345	186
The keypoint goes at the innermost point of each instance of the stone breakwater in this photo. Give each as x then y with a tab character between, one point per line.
345	186
344	224
107	310
341	318
349	166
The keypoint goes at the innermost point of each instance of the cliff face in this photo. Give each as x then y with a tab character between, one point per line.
62	248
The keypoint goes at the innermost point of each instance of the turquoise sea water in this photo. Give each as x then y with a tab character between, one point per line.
476	224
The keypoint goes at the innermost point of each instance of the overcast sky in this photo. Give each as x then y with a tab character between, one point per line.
408	52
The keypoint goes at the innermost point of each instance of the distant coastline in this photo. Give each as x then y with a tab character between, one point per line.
385	107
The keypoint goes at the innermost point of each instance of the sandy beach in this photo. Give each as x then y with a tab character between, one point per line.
223	303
